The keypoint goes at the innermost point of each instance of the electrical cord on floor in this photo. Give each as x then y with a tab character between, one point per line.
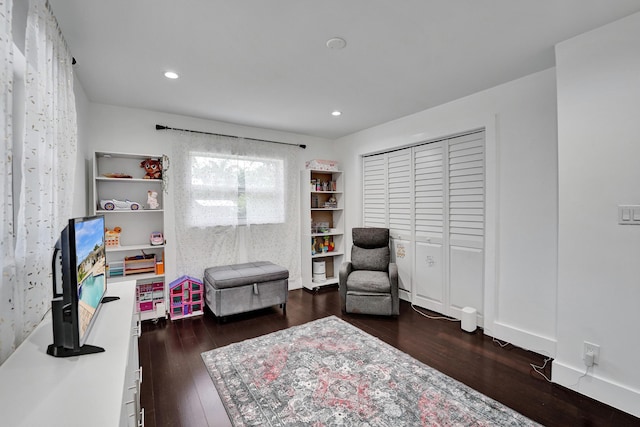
451	319
500	343
537	369
540	369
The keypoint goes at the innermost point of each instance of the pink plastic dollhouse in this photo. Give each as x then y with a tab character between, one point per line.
187	297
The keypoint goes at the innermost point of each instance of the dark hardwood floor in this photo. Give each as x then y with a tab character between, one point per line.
177	390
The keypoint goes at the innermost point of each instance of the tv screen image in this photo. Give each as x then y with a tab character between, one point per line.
90	270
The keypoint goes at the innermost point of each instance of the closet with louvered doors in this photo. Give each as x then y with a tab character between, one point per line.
434	194
388	203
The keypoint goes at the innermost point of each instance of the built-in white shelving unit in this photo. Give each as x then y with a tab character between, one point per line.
322	198
136	225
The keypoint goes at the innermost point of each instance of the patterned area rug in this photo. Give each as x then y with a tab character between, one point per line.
330	373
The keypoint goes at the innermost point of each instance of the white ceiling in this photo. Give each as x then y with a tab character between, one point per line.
265	63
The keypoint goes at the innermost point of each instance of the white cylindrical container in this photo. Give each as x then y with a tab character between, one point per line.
319	271
468	320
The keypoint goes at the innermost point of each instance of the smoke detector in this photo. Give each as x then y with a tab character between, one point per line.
336	43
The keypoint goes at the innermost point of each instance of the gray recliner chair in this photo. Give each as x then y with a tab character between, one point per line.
369	282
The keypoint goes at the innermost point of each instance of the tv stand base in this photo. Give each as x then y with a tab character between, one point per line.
58	351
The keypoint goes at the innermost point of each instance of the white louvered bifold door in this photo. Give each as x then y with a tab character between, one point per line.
431	197
429	180
374	190
400	197
466	222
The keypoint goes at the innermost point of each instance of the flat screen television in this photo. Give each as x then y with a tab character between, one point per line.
79	260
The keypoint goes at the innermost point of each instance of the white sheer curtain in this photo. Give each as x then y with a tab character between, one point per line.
48	163
7	266
236	201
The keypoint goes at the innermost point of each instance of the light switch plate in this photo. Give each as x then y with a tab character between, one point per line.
629	214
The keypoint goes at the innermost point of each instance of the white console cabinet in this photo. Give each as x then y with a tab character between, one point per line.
101	389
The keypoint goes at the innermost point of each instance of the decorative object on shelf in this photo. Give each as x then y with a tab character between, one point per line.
328	243
156	238
115	269
153	168
145	263
320	227
322	165
119	205
112	237
152	199
117	175
313	245
319	271
331	203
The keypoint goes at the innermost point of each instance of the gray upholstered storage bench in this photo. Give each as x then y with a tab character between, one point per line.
233	289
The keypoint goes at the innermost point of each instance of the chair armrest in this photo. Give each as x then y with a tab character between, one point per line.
345	269
393	272
395	294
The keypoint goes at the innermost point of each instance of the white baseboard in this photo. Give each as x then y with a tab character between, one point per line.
600	389
540	344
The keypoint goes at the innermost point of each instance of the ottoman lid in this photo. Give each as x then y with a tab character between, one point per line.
229	276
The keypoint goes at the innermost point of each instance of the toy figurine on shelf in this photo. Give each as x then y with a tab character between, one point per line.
152	199
112	237
153	168
331	203
313	246
328	243
156	238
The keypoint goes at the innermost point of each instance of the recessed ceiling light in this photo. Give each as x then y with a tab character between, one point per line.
336	113
171	75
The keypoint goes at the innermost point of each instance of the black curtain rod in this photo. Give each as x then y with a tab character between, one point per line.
162	127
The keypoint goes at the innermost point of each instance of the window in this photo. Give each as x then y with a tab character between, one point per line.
235	190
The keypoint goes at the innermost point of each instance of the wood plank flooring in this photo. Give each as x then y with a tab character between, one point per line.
177	390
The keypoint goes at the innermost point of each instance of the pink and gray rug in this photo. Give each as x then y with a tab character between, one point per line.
330	373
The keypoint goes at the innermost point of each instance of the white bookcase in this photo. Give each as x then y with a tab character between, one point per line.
321	222
136	227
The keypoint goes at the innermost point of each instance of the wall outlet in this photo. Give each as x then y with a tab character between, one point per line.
591	354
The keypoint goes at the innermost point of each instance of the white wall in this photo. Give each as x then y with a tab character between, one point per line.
83	168
521	144
127	130
598	76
